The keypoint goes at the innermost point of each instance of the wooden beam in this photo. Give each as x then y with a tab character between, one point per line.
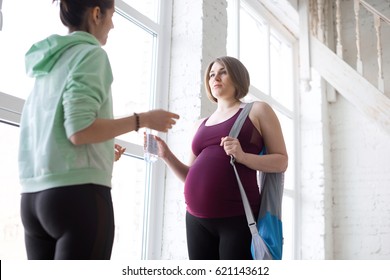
350	84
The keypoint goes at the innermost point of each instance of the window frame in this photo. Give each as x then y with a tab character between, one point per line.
1	14
10	108
154	206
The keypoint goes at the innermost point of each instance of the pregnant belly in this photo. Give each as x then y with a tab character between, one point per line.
211	187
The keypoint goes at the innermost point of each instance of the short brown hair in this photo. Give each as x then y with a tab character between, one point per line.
237	73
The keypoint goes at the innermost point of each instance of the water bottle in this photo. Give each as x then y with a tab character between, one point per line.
150	147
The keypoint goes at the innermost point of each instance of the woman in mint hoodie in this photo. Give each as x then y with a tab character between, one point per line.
67	129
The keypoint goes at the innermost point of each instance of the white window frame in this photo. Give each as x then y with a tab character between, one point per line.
154	206
1	15
234	50
10	108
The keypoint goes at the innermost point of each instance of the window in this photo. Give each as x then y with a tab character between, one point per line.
11	233
148	8
137	47
13	79
269	51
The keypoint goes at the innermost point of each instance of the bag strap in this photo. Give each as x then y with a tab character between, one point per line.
234	133
240	120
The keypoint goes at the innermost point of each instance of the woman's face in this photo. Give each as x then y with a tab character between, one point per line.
220	83
105	25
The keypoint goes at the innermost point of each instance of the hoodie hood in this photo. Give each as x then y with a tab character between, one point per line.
42	56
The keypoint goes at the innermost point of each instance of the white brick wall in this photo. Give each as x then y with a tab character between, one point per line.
361	185
360	158
312	221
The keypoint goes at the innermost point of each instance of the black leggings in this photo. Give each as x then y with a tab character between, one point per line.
72	222
218	239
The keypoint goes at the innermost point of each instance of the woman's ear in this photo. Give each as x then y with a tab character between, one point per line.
96	15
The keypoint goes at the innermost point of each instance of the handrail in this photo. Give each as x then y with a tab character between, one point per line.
378	17
374	11
318	13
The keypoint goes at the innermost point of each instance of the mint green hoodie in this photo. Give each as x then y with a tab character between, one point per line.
72	88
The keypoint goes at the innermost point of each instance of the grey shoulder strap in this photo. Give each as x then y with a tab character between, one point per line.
234	133
240	120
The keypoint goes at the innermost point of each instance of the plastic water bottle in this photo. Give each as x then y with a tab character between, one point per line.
150	147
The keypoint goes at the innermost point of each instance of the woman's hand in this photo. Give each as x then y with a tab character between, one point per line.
119	150
159	120
232	147
163	149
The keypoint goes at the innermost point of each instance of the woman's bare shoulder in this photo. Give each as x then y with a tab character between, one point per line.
262	109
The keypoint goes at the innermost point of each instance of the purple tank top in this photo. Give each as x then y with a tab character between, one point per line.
211	189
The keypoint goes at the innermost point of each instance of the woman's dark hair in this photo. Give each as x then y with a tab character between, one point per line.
237	73
72	12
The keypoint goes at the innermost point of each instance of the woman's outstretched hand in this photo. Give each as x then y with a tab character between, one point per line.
159	120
